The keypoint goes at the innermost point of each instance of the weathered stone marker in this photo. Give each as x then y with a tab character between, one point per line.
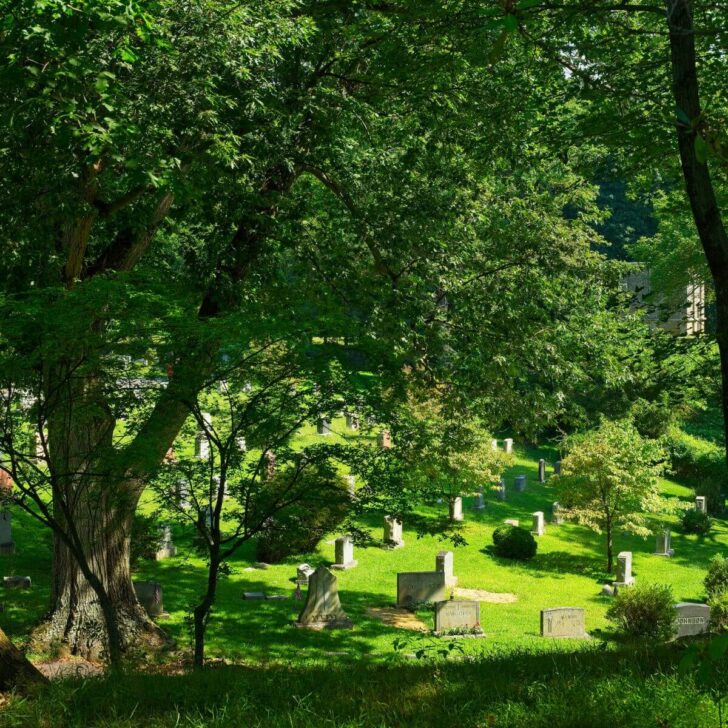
512	522
182	493
700	504
444	562
563	622
556	518
662	547
350	484
384	439
241	444
7	545
393	532
494	444
455	614
479	502
691	619
323	426
166	548
456	509
323	609
520	482
538	527
202	446
344	549
415	587
303	573
149	594
352	421
557	467
541	471
508	444
502	489
624	569
17	582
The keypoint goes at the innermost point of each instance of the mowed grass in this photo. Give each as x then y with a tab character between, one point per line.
568	570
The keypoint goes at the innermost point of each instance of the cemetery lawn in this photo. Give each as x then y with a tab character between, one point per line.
568	570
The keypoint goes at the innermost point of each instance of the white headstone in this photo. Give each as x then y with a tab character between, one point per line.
541	471
323	609
508	444
166	548
202	446
700	504
691	619
624	569
393	532
662	547
456	509
444	562
556	518
538	524
303	572
344	550
323	426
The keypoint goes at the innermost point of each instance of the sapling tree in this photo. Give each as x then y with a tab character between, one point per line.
608	480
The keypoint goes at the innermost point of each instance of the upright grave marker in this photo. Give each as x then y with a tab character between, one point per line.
323	608
479	502
557	467
344	550
538	527
624	569
323	426
502	489
393	532
384	439
444	562
691	619
556	518
541	471
456	615
456	509
508	445
662	547
416	587
149	594
563	622
700	504
520	483
166	548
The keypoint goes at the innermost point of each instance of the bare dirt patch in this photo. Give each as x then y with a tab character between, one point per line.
400	618
480	595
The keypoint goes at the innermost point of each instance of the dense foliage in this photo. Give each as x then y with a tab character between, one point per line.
644	610
514	542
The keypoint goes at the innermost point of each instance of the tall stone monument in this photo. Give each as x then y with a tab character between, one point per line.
323	609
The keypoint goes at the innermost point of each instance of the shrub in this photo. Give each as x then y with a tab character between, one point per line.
644	611
696	522
716	580
513	542
298	528
699	461
144	538
719	611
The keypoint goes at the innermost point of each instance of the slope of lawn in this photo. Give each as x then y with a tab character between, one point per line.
568	570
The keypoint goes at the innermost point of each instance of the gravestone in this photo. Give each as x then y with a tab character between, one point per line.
662	547
456	509
415	587
456	614
512	522
541	471
384	439
538	527
624	569
700	504
202	446
520	482
207	419
502	489
303	573
352	421
182	493
206	517
556	518
479	502
557	467
350	484
444	562
149	594
393	532
508	445
494	444
166	548
241	444
323	426
691	619
323	609
563	622
17	582
344	550
7	545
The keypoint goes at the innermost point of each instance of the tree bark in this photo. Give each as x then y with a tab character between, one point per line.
698	183
202	610
16	672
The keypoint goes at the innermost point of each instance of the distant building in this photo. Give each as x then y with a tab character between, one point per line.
682	315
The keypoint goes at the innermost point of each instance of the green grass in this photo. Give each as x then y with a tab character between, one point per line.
567	571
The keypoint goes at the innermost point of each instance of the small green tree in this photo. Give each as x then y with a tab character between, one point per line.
608	480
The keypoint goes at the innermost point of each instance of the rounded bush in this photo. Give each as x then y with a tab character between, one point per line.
513	542
644	611
719	611
696	522
716	580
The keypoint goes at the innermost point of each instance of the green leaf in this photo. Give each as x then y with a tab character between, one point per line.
718	647
510	23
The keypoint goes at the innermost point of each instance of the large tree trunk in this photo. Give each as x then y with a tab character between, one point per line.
16	672
698	183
